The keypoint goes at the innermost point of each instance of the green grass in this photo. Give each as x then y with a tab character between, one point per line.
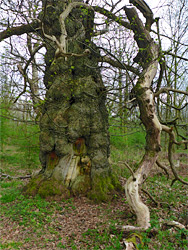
130	138
11	245
37	216
97	239
27	211
19	143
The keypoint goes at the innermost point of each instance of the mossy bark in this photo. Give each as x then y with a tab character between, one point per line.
74	139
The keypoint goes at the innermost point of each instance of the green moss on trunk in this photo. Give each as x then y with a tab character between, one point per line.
46	188
103	188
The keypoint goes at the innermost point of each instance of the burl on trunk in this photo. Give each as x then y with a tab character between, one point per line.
74	139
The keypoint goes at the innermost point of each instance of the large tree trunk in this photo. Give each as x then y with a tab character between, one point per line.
74	139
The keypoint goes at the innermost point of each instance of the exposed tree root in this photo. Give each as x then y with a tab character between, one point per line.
128	228
173	224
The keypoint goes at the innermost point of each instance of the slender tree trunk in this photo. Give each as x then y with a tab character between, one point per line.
144	95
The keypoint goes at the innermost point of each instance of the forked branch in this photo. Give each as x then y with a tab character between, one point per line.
61	44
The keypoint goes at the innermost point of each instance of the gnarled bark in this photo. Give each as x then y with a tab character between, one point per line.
152	125
74	139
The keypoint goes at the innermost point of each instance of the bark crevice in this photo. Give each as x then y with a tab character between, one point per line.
74	138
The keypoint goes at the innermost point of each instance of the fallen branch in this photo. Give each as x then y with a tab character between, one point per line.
128	228
6	176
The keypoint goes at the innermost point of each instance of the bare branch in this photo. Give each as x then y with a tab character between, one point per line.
6	176
163	167
112	16
174	224
172	141
150	196
171	106
25	83
23	71
118	64
61	50
32	56
146	11
174	55
130	169
19	30
167	90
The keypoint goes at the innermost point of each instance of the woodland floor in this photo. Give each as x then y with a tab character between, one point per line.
77	223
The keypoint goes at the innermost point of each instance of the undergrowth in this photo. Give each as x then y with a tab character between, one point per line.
36	217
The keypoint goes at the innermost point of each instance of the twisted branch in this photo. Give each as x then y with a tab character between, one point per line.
172	141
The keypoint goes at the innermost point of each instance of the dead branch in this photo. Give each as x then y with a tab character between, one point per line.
167	90
150	196
146	11
6	176
128	228
61	50
19	30
163	167
172	141
130	169
174	224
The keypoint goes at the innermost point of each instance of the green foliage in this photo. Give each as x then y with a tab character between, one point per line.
19	142
11	245
164	239
97	239
133	137
126	145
